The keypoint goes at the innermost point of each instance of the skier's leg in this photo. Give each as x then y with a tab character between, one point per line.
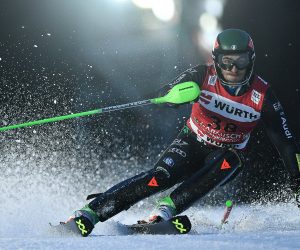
125	194
118	198
219	167
177	163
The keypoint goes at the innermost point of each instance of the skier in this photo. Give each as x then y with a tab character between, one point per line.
209	150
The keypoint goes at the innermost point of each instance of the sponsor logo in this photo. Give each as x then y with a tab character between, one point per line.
204	138
277	106
153	182
218	144
228	144
212	80
256	96
178	151
205	98
165	171
186	130
216	45
177	80
207	140
191	71
287	132
225	165
81	227
235	111
124	106
179	142
250	44
228	108
169	161
223	136
179	226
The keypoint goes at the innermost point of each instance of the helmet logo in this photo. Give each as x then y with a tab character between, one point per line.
250	44
216	44
233	47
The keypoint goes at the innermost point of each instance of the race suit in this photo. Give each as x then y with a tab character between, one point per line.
209	149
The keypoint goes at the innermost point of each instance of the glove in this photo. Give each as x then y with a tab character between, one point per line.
297	184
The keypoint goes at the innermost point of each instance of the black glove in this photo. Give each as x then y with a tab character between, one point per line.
296	184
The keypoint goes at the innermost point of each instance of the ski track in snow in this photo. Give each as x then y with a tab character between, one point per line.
29	202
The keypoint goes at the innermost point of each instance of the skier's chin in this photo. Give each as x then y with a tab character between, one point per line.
234	80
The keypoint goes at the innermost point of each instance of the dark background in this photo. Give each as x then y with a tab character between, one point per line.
67	56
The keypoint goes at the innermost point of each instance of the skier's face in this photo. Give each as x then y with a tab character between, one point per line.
234	67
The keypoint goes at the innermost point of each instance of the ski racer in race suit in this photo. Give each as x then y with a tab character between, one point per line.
208	151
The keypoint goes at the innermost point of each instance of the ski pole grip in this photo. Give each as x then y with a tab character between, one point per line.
181	93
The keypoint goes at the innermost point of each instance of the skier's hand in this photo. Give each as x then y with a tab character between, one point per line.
164	90
297	182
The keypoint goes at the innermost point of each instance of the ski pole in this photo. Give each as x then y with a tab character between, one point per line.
228	209
179	94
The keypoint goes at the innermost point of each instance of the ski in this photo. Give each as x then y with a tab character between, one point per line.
79	226
177	225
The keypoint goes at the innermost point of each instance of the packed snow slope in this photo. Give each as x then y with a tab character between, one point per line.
32	199
46	182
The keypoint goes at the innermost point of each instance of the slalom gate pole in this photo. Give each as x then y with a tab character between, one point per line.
229	205
179	94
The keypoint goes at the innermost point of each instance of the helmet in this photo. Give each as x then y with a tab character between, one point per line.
234	41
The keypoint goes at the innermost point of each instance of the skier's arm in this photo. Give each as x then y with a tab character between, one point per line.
195	74
281	136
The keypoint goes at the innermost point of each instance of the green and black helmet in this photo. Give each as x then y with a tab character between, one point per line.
234	41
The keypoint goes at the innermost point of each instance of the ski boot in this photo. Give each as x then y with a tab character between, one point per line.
81	223
164	210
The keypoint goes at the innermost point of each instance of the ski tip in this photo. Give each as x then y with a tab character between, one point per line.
59	230
79	226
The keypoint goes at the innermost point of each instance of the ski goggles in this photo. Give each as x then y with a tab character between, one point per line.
240	61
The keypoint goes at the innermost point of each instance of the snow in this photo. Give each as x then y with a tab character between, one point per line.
258	227
282	240
32	199
279	239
